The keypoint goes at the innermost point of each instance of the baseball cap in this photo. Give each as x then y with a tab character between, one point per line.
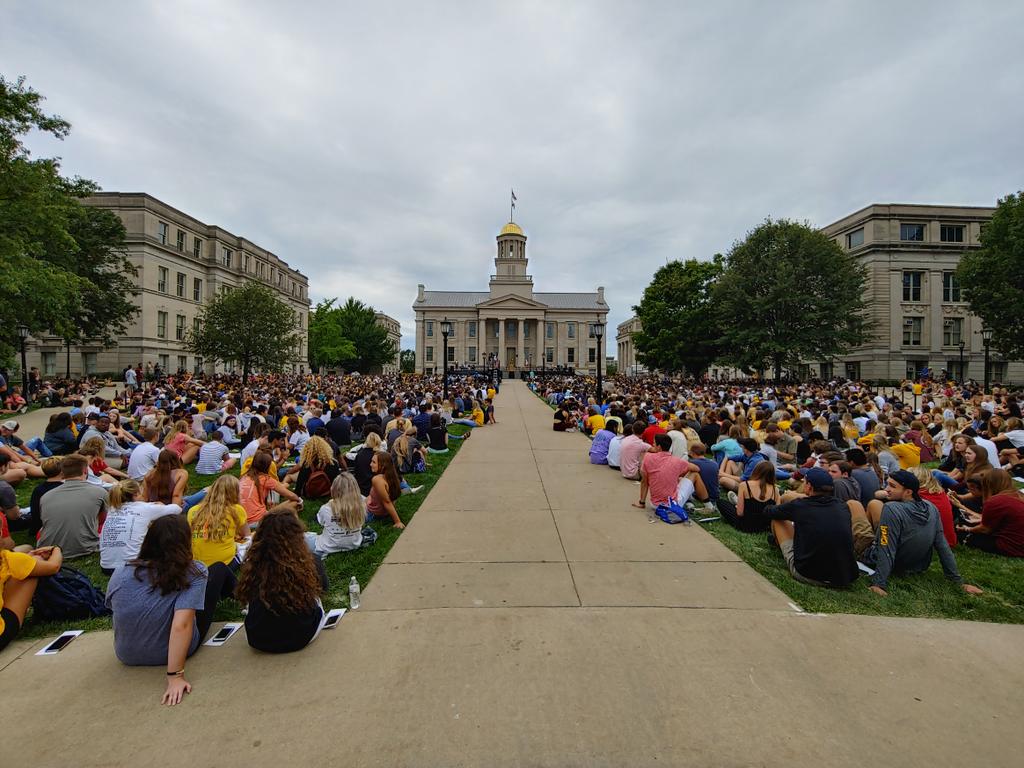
11	425
907	480
819	479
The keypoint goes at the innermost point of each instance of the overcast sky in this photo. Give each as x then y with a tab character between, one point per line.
373	145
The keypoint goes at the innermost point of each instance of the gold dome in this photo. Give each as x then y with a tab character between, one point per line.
511	229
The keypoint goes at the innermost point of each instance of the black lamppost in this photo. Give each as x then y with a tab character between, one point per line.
597	331
23	334
961	376
986	339
446	329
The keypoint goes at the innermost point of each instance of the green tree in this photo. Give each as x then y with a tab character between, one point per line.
407	361
359	325
62	265
992	277
328	346
248	326
679	324
789	294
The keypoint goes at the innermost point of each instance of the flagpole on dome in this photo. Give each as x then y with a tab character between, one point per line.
512	210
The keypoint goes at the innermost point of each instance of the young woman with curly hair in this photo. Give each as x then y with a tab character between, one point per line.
281	583
157	599
316	456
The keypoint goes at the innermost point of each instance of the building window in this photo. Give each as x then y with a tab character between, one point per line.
471	354
950	287
430	354
526	330
912	331
182	363
197	247
549	331
572	331
430	329
161	325
88	363
195	325
471	329
181	240
912	286
49	363
180	287
997	371
225	256
912	232
951	233
164	362
510	331
179	327
197	289
199	365
549	355
592	357
496	324
855	239
455	328
161	279
952	331
853	371
451	354
571	354
161	232
245	262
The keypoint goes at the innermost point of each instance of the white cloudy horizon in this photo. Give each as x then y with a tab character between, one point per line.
373	146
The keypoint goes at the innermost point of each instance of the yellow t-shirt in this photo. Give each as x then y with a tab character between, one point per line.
596	423
478	416
908	454
491	393
245	467
201	407
16	565
222	550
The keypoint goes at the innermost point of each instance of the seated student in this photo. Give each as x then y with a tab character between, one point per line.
999	529
228	431
752	456
166	482
931	491
666	476
594	421
363	458
281	583
477	414
868	480
128	519
753	497
342	519
70	515
563	420
317	457
155	599
58	437
19	576
94	450
257	484
599	447
489	411
51	468
181	443
727	448
385	490
680	442
632	451
408	454
615	452
815	534
708	470
145	455
437	435
213	456
907	532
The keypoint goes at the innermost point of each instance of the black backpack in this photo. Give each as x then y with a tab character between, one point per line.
67	595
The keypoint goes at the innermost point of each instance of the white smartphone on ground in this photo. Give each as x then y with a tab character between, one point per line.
60	643
224	633
333	617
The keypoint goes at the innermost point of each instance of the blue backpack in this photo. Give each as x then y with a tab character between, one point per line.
67	595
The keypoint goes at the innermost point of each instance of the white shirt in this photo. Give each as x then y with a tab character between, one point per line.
1016	438
126	527
680	448
143	459
993	452
211	458
335	538
614	449
249	451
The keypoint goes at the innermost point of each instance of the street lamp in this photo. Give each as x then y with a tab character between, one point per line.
446	329
23	334
986	339
961	376
597	331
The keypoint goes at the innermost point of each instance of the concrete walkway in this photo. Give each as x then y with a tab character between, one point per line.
530	616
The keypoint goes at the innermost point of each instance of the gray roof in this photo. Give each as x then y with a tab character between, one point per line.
472	298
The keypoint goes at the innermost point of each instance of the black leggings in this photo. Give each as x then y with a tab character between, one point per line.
986	542
220	584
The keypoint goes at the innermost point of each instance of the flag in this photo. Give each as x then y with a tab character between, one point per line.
514	198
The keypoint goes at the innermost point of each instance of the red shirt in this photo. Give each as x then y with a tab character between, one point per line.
650	432
945	507
1003	515
663	472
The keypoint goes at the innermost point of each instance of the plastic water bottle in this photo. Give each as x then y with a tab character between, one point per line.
353	593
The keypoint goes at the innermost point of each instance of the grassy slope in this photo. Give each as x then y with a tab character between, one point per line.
340	567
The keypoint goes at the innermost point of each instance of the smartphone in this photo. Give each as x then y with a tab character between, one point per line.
224	633
60	643
333	617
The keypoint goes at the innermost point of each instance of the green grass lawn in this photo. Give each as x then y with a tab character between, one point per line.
340	567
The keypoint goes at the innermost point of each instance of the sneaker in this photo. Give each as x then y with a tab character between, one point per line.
415	488
733	498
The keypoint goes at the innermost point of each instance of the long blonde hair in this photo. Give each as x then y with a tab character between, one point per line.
346	503
316	453
214	515
373	440
122	493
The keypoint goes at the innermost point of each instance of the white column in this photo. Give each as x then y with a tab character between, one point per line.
520	343
501	343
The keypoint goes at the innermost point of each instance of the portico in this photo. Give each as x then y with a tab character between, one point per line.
510	325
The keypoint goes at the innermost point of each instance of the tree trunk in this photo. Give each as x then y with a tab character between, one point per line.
778	368
67	373
245	371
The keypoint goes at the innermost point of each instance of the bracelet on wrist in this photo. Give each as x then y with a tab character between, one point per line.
179	673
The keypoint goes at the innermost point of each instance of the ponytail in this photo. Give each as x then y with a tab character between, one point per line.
123	492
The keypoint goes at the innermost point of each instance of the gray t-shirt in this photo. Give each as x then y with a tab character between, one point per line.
143	616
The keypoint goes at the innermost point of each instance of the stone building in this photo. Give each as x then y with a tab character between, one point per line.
182	263
394	329
626	348
921	319
510	324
